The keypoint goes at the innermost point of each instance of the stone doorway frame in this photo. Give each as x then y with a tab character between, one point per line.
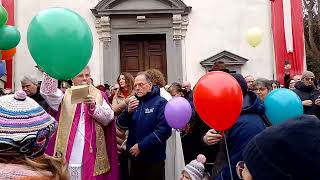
111	24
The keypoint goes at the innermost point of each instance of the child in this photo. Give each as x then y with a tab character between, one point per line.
195	169
25	129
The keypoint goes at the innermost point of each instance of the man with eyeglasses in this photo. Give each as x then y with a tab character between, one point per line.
308	93
148	130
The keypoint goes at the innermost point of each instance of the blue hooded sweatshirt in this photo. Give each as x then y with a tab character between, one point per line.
147	127
249	124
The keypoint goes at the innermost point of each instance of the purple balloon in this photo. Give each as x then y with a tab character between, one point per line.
178	112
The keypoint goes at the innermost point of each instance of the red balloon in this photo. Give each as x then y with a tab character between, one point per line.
8	54
218	100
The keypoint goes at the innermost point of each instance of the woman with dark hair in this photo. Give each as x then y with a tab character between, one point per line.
290	84
120	100
119	103
275	84
176	90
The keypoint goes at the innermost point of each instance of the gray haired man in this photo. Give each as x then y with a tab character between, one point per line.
31	87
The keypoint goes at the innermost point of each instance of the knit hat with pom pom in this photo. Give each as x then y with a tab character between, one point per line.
196	167
25	127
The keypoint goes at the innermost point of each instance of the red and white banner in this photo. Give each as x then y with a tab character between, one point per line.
9	6
288	36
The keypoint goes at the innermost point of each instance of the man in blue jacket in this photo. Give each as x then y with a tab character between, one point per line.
148	130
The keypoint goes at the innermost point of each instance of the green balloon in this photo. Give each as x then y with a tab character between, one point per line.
9	37
3	16
60	41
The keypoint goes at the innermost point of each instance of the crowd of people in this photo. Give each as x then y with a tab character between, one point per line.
120	132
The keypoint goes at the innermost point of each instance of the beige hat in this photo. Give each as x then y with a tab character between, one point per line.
307	74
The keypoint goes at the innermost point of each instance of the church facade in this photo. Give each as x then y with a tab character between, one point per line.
182	38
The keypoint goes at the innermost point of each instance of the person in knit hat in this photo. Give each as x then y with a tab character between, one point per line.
195	169
308	93
289	151
25	129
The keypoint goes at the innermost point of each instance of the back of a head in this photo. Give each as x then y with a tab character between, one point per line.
157	77
218	66
287	151
33	127
242	82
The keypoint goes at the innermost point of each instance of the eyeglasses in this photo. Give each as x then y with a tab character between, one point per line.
240	167
309	79
260	89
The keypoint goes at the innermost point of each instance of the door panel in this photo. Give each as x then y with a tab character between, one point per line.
142	52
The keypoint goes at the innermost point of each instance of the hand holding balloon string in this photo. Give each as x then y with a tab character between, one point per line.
212	137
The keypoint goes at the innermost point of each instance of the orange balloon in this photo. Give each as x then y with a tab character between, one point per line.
218	100
8	54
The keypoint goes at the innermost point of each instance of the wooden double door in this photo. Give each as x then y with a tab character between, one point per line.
143	52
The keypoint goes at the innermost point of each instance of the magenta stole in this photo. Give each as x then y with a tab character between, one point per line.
89	158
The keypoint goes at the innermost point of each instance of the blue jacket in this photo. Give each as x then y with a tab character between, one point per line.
147	127
249	124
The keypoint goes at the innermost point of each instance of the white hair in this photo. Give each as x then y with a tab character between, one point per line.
29	78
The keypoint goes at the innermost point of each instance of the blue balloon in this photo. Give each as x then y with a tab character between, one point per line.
281	105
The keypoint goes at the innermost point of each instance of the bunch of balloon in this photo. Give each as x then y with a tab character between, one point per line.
60	42
9	36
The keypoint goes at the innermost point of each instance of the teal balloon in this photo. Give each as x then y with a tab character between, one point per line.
9	37
282	105
60	41
3	16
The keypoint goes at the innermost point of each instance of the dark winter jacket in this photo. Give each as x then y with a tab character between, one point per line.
249	124
40	100
193	144
147	127
308	93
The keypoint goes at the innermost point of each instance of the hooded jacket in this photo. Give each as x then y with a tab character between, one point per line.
147	127
249	124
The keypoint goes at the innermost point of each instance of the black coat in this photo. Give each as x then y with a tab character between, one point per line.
193	145
40	100
308	93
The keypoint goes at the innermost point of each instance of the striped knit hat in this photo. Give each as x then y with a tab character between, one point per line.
195	168
25	127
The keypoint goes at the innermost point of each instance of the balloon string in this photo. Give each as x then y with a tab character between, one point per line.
229	162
